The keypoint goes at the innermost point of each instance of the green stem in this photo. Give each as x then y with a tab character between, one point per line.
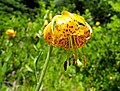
44	69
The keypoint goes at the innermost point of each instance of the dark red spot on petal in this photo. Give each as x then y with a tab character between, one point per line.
68	34
70	26
67	25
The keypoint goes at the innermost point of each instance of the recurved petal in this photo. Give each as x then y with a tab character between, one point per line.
47	30
88	32
47	34
79	18
74	16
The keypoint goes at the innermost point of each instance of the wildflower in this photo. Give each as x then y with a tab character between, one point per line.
93	27
111	78
97	23
67	31
10	33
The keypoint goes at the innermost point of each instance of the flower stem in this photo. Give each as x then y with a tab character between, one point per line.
44	69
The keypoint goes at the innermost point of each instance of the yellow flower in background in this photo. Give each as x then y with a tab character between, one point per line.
97	23
67	31
10	33
93	27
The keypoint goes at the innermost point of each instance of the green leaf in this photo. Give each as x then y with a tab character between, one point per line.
8	55
28	68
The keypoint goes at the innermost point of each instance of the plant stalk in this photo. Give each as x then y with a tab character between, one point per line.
44	69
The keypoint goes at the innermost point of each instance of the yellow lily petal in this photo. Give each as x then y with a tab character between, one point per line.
74	17
53	21
48	34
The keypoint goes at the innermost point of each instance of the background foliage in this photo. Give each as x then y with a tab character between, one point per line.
20	66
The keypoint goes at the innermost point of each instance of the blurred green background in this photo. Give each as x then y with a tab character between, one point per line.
22	56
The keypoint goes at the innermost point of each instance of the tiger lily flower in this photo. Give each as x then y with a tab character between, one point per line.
67	31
